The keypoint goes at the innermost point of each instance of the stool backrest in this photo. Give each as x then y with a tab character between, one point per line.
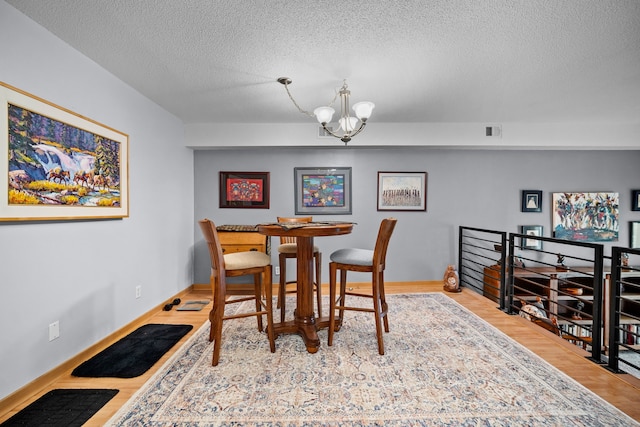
382	242
295	219
215	249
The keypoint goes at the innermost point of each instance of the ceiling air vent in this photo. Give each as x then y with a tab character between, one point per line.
493	131
323	133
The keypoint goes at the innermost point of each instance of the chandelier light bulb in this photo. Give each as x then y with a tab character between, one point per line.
324	114
348	124
363	109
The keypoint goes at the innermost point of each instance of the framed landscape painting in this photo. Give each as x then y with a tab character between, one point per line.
586	217
322	190
58	165
244	190
402	191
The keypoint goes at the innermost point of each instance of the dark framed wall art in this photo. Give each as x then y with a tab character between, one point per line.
635	200
244	190
58	165
402	191
531	230
531	201
322	190
634	234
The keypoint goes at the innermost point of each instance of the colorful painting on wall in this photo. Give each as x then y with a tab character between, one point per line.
586	217
244	190
323	190
58	164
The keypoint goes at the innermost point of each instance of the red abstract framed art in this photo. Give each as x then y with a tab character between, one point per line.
244	190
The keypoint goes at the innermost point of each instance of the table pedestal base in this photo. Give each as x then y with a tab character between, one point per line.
305	323
306	328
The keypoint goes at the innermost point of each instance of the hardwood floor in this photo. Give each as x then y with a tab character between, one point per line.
623	391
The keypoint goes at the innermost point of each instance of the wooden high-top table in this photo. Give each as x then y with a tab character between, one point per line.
305	323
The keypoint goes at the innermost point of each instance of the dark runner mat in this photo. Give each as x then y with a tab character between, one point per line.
134	354
62	407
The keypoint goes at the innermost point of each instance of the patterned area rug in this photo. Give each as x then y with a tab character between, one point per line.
444	367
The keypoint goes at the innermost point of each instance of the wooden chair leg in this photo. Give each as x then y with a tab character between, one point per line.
282	289
257	291
377	311
318	258
216	332
212	315
383	300
343	296
332	302
268	304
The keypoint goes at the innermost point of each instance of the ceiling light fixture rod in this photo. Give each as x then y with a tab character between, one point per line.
348	124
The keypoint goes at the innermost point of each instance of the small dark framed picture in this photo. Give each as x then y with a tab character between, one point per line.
635	200
634	234
244	190
531	230
531	201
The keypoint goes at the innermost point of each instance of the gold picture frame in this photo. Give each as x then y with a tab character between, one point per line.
58	165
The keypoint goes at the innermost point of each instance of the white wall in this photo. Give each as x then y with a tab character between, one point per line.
476	188
535	136
84	273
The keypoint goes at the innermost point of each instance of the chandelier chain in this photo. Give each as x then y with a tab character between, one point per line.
286	86
302	110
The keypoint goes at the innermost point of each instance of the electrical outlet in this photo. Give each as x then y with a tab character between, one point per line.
54	330
277	271
138	291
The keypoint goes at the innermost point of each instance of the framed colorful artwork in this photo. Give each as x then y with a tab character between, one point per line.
586	217
531	230
531	201
402	191
635	200
244	190
58	165
323	190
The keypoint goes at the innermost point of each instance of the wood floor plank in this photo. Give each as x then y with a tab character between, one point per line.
623	391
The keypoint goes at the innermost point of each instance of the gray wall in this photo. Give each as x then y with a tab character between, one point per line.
84	273
478	188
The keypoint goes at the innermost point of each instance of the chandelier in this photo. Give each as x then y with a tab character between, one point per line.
347	125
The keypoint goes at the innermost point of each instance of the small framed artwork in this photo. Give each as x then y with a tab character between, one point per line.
531	230
531	201
634	234
56	164
323	190
635	200
244	190
402	191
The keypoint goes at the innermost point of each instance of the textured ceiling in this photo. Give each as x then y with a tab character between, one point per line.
490	61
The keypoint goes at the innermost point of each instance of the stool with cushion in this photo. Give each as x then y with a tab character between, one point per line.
361	260
287	250
237	264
